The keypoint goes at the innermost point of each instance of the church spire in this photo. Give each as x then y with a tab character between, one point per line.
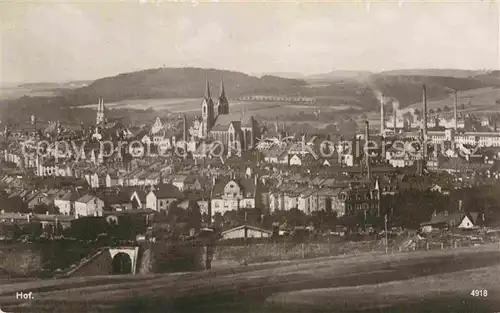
222	91
222	106
207	90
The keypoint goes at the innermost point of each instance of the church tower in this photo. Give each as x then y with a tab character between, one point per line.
100	112
207	112
222	106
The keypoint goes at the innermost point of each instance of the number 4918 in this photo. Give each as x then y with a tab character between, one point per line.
479	293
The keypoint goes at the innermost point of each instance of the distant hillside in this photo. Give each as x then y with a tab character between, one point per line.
336	75
46	86
433	72
350	90
408	89
180	83
492	77
290	75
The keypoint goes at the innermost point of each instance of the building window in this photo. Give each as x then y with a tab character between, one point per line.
161	203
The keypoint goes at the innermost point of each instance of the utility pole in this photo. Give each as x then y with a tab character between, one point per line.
245	228
386	241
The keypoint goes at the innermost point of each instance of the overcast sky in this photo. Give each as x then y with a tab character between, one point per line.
70	41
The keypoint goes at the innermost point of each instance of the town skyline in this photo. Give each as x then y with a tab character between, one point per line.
89	41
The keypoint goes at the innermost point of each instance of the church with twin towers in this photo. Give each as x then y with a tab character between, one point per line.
218	124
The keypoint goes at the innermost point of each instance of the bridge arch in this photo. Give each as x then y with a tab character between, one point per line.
124	259
122	263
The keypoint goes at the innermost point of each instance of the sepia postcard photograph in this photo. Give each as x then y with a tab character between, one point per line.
249	156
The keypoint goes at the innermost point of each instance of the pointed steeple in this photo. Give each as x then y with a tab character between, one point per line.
222	91
207	90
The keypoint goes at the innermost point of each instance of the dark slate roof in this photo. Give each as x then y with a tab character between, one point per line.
167	191
119	198
441	218
223	121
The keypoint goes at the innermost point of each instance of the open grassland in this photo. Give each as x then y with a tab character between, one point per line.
331	284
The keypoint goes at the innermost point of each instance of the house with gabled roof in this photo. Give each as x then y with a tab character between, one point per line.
162	196
276	156
231	193
89	205
65	201
445	220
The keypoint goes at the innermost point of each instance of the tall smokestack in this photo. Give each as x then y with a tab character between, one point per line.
420	163
455	113
367	156
185	128
424	102
382	126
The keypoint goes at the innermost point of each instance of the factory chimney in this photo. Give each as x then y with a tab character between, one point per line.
382	126
367	156
420	162
424	102
455	113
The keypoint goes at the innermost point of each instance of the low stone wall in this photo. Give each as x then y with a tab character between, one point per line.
20	259
265	252
166	257
40	258
100	264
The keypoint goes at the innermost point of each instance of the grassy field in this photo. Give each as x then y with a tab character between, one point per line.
331	284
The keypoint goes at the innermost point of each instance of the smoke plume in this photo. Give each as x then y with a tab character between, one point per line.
395	105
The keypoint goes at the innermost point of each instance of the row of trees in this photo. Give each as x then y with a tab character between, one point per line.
286	220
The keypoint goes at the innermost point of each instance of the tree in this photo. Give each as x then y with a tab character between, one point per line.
35	230
431	111
439	110
218	220
323	220
194	216
446	108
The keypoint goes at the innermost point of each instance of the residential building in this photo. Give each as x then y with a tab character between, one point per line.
162	196
89	205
